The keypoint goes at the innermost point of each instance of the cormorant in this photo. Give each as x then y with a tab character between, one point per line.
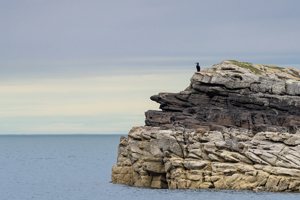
198	67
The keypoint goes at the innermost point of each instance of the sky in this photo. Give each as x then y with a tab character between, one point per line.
89	67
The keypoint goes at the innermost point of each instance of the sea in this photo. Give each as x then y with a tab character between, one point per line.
78	167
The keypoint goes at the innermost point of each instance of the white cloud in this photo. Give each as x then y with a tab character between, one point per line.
87	96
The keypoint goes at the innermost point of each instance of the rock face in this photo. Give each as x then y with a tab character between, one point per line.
235	127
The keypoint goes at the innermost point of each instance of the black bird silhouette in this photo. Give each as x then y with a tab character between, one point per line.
198	67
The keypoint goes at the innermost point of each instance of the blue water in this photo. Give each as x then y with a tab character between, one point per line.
79	167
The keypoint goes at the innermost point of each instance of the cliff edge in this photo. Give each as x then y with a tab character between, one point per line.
235	127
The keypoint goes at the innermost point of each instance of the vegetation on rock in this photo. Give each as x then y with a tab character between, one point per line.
246	65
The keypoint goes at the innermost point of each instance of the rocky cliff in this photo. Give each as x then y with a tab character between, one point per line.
235	127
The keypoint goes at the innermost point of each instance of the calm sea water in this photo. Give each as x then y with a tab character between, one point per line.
79	167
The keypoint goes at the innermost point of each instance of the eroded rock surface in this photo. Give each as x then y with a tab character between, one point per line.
235	127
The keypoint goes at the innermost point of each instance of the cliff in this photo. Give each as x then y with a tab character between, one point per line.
235	127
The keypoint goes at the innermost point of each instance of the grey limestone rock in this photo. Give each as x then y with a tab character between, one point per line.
267	99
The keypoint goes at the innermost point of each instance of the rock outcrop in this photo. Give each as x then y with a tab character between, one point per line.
235	127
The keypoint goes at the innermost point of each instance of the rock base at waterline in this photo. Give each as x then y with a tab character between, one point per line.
189	159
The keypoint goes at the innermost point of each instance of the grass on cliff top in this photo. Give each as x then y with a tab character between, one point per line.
246	65
274	67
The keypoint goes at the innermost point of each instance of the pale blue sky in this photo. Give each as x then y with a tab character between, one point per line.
90	66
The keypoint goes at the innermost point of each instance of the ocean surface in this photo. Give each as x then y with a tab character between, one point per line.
78	167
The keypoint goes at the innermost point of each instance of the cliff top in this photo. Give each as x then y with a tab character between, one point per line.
272	71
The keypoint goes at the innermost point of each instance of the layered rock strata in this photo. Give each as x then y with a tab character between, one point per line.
229	95
234	127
